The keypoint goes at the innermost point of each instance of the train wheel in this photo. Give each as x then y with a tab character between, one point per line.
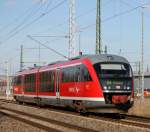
19	102
79	107
39	103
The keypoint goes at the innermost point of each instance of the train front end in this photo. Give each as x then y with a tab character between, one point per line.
116	81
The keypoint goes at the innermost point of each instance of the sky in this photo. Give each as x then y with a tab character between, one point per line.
121	30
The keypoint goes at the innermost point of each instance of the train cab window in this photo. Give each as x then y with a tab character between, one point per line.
113	70
30	83
114	76
47	80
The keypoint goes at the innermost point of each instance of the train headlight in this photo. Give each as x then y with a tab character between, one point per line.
105	87
128	87
109	87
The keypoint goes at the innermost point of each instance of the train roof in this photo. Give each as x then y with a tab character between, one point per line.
102	58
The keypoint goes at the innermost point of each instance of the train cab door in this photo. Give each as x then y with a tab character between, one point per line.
58	85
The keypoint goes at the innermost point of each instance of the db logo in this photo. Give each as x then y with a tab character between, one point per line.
74	89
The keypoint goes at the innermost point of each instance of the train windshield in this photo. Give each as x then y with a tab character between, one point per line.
114	76
113	70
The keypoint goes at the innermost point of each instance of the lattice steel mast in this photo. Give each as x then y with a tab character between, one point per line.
98	28
71	28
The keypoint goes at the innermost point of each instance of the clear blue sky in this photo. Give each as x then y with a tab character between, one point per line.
121	34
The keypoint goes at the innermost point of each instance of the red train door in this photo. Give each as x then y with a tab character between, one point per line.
58	84
37	83
22	85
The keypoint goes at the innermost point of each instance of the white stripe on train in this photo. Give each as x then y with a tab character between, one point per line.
64	97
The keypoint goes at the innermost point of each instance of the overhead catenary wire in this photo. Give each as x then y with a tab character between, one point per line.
33	21
79	16
18	18
115	16
51	49
94	24
126	3
53	40
51	36
48	5
122	1
25	20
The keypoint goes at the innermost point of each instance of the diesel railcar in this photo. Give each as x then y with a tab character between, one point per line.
101	83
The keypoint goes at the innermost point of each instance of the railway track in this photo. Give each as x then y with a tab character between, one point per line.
135	123
125	119
135	118
42	122
129	120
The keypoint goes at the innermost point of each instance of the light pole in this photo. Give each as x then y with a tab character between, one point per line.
21	57
80	51
142	49
8	82
142	52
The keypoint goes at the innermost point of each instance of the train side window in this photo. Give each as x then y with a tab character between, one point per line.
47	81
17	80
52	81
30	83
77	73
84	74
68	74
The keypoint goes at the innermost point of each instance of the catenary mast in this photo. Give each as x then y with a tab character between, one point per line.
71	28
98	28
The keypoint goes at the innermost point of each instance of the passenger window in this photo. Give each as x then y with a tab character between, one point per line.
17	80
85	76
47	80
77	73
30	83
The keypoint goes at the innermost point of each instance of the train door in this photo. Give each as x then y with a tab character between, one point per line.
22	85
58	84
37	84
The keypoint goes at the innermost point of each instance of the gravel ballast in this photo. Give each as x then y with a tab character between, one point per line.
79	121
8	124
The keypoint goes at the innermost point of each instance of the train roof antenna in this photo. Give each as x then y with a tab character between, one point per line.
37	41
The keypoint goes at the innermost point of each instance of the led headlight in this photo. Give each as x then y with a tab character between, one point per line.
128	87
109	87
125	87
105	87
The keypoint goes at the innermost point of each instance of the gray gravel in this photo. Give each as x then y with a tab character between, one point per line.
8	124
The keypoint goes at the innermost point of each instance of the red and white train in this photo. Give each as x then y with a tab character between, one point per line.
89	82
